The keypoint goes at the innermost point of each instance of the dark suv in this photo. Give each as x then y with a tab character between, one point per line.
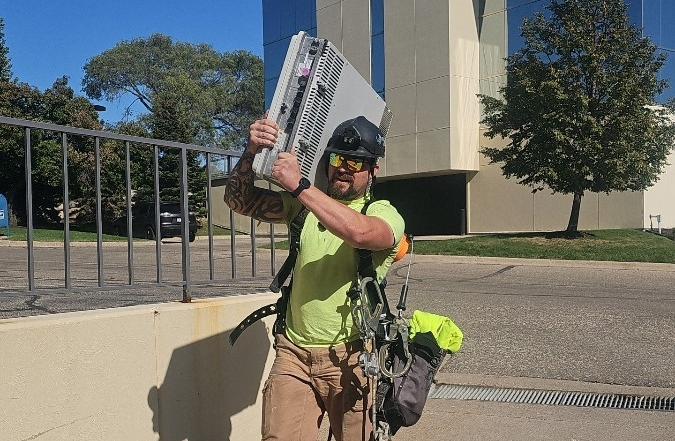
143	221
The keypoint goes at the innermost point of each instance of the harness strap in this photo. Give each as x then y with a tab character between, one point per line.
252	318
279	308
294	231
365	269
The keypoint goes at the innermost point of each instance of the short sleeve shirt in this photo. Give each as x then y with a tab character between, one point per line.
319	311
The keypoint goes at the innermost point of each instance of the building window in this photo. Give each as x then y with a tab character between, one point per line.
282	20
377	46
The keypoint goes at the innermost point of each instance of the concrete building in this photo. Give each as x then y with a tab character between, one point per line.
429	59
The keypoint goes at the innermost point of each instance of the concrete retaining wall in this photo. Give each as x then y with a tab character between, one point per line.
153	372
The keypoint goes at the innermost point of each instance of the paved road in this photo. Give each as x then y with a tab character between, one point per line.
604	323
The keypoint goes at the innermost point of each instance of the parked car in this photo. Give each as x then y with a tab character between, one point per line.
143	221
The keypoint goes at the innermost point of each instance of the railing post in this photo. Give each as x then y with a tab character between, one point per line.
130	228
66	211
158	227
185	225
29	210
232	228
253	256
99	213
209	218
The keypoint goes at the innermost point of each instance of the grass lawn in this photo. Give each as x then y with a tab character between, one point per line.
611	245
56	235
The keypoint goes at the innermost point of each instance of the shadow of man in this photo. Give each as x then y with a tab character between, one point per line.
207	383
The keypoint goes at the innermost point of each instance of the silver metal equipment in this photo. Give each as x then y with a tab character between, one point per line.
317	90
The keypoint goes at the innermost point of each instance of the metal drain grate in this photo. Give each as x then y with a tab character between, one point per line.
552	397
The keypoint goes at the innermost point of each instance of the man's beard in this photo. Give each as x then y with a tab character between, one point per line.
348	194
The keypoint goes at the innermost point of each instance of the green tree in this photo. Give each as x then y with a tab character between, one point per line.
192	94
210	98
575	107
57	105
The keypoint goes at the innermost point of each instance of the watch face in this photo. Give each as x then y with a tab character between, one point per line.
304	182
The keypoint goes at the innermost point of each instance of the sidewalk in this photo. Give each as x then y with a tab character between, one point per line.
456	420
468	420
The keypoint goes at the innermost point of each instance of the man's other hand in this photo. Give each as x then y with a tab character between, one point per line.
262	134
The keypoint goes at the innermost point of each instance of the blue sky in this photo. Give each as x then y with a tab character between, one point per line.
51	38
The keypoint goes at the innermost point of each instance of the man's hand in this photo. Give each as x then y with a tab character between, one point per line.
262	134
286	170
241	194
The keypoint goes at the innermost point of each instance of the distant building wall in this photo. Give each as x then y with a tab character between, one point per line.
499	204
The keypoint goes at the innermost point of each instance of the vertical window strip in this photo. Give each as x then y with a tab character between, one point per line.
377	46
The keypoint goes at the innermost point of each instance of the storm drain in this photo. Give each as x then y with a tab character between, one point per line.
552	397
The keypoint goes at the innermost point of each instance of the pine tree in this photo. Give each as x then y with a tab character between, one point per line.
5	63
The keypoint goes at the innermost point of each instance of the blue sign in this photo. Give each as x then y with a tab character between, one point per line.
4	212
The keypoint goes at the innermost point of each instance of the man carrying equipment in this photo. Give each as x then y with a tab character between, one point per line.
316	369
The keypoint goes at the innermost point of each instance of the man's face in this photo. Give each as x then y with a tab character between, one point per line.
348	177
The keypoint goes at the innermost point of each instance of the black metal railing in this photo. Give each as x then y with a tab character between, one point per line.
103	278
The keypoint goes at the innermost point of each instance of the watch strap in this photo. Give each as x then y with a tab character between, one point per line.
302	185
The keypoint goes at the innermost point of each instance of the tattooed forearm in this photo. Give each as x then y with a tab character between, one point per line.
240	182
242	196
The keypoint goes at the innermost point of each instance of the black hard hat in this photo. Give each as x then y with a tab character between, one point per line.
357	137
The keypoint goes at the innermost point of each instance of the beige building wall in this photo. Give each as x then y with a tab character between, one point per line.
431	93
151	372
432	78
660	199
497	204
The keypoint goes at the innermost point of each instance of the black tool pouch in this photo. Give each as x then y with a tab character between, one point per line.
400	400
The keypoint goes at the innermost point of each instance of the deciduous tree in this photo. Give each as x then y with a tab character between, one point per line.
57	105
5	63
191	92
575	107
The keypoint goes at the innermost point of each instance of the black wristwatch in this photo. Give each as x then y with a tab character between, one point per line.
303	185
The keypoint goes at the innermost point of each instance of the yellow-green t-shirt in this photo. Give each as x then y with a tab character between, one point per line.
319	311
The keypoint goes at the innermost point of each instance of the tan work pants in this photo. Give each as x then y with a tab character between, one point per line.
306	382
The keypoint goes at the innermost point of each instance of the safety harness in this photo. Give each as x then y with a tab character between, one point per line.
278	308
379	329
